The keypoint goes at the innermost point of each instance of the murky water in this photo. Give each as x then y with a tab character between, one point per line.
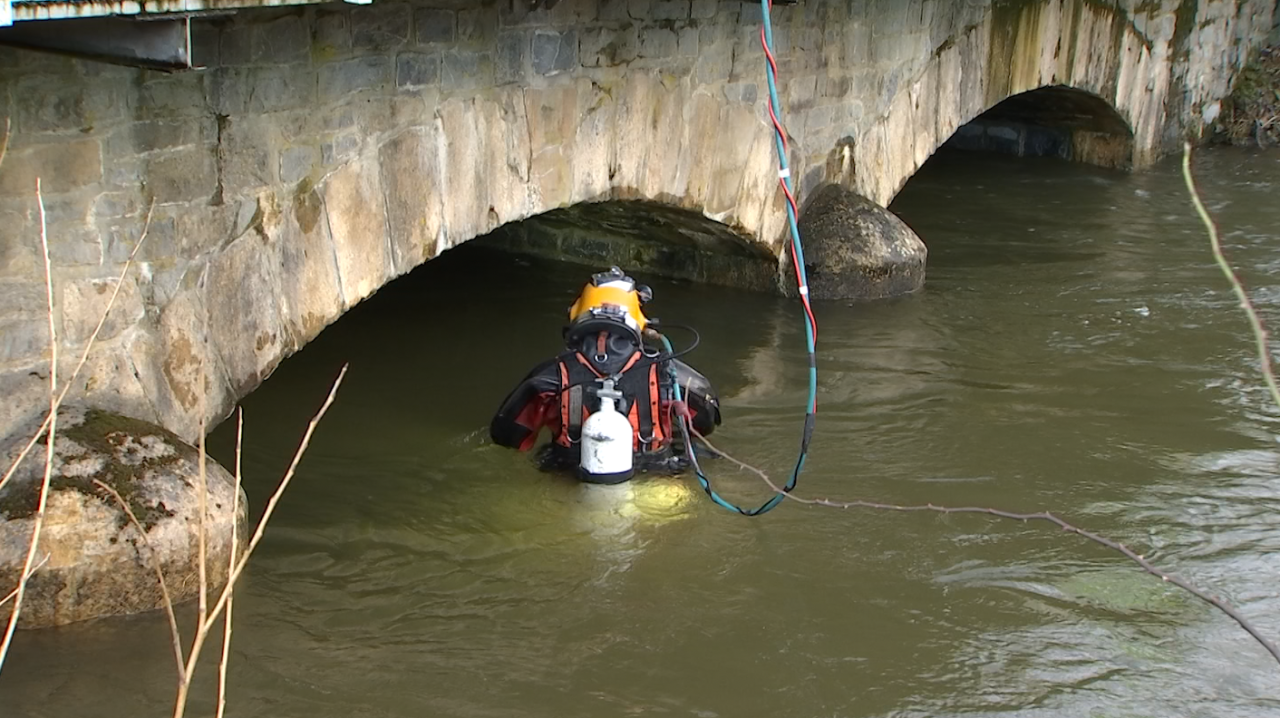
1075	350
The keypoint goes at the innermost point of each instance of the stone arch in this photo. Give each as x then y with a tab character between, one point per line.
1054	121
1067	45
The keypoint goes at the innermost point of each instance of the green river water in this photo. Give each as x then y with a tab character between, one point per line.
1075	350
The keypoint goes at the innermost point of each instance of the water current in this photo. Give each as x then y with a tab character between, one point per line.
1075	350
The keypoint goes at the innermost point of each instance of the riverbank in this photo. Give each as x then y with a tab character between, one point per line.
1251	114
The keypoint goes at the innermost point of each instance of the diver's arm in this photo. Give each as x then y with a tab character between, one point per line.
523	413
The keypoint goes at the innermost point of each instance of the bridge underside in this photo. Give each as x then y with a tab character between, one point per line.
1051	122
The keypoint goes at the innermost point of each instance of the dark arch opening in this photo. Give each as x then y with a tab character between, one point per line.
641	236
1055	121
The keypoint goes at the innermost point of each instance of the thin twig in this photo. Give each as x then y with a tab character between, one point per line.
155	564
4	141
1255	322
202	541
14	592
1129	553
42	502
84	356
202	631
235	526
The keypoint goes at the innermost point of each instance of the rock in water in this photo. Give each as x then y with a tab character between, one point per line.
856	249
98	564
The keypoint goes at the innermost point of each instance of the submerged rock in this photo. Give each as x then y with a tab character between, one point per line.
856	249
98	564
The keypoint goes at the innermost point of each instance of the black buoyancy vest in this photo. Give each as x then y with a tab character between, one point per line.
642	384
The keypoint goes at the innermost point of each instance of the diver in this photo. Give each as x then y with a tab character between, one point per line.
608	398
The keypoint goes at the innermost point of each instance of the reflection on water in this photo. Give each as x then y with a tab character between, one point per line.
1073	350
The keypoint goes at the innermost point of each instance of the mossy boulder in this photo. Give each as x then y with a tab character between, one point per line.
98	564
856	249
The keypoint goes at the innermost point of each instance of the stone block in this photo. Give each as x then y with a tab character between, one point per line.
245	327
310	296
205	40
410	182
178	95
152	135
716	65
380	27
339	79
614	10
62	167
246	155
465	70
331	36
746	92
229	89
512	57
608	47
185	175
353	202
433	26
296	163
688	42
703	9
341	148
281	41
24	325
235	45
85	300
477	27
19	245
61	106
281	87
415	70
658	42
669	10
554	51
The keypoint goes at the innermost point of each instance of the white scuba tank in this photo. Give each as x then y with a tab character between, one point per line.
606	441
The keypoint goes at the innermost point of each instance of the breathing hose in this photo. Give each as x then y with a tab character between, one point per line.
802	287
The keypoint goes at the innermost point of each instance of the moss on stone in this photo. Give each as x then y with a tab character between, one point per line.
1251	114
104	433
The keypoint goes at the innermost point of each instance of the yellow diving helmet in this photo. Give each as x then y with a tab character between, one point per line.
610	299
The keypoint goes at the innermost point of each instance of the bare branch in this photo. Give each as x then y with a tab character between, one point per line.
202	631
1255	322
1185	585
155	564
235	535
42	501
84	356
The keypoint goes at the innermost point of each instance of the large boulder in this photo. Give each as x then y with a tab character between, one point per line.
856	249
98	564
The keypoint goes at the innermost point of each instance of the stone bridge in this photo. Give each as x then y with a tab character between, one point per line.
318	151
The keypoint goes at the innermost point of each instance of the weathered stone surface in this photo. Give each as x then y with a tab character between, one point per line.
296	163
61	167
185	175
340	79
357	217
99	563
415	69
554	52
410	180
85	301
382	28
856	249
310	289
434	26
281	41
241	295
